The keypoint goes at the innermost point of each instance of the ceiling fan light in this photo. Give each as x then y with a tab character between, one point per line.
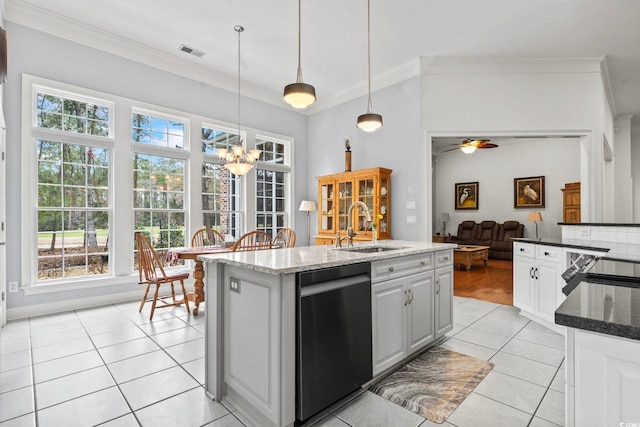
369	122
468	148
299	95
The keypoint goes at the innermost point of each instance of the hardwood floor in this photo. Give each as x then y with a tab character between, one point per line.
491	283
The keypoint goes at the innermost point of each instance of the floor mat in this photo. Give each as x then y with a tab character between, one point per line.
433	384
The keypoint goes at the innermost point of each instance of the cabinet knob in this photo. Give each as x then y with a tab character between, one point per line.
521	249
391	269
422	263
546	253
446	258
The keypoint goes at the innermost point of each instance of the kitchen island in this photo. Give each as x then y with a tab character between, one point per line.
251	316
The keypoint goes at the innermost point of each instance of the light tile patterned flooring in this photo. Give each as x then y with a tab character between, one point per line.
110	366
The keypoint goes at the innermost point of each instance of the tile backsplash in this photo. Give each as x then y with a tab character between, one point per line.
623	241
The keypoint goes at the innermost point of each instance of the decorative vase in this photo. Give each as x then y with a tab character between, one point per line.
374	236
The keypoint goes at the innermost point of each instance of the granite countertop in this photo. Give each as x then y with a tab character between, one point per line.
565	243
304	258
603	308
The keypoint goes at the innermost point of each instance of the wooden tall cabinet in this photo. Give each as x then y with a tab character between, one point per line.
338	191
571	202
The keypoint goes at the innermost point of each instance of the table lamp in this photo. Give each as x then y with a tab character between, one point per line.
535	217
308	206
445	219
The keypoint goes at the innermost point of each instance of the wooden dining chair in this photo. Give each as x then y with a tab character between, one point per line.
252	241
152	273
206	237
286	238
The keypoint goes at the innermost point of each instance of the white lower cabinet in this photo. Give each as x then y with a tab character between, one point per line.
537	281
603	376
406	316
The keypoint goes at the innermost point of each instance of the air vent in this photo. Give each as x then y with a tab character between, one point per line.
191	51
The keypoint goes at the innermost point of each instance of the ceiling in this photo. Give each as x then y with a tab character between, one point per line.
334	38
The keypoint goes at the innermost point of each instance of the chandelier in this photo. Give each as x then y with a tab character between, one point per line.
238	162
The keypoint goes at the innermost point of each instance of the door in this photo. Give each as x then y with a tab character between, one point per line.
549	276
3	227
388	302
420	311
443	300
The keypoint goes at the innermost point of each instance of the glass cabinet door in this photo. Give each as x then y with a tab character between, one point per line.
345	197
326	208
366	194
384	210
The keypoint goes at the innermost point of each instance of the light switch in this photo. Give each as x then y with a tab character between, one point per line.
411	219
411	204
409	191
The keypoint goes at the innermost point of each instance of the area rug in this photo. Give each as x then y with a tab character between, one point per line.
433	384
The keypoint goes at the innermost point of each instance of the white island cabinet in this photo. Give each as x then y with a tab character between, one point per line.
251	316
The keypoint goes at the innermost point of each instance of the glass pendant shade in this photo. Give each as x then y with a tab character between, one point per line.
369	122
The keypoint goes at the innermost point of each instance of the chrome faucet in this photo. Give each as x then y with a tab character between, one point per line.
350	232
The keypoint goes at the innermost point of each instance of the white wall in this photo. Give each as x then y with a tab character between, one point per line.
39	54
495	169
623	182
635	171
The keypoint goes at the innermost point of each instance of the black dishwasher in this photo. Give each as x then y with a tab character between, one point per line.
333	335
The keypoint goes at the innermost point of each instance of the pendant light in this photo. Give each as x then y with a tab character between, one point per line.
237	161
299	94
369	121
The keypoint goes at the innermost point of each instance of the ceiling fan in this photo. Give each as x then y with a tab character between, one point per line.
469	145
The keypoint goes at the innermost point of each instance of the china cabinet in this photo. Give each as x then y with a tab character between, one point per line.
338	191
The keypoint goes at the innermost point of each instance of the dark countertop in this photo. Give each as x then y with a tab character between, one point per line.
608	308
565	243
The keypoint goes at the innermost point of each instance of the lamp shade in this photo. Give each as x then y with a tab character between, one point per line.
534	216
307	206
446	217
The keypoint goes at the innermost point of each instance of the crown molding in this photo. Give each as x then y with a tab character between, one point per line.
508	65
379	81
606	83
22	13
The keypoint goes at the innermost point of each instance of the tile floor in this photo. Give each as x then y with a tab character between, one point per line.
110	366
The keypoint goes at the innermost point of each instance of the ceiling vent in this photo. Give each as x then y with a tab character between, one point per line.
191	51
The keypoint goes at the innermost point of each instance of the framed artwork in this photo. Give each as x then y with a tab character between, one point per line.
528	192
466	195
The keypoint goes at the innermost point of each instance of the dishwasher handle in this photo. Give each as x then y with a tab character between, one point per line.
331	285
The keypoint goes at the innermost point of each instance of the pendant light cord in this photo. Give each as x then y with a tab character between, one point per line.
239	29
369	107
299	73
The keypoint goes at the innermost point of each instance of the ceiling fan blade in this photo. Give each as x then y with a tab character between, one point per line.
487	145
450	149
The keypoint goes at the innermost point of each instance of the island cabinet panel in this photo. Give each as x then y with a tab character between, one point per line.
337	192
389	319
420	311
256	308
605	382
537	282
443	301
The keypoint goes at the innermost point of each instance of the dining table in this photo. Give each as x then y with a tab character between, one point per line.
173	255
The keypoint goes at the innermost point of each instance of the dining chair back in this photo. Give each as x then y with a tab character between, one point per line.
252	241
286	238
151	273
206	237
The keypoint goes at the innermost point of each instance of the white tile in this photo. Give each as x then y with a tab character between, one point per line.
511	391
139	366
127	349
58	336
14	345
459	300
187	351
468	348
54	351
226	421
525	369
559	381
480	411
15	329
539	334
496	327
117	336
461	318
28	420
128	420
16	403
160	326
15	360
89	410
369	409
15	379
156	387
178	336
537	352
483	338
195	368
539	422
167	412
63	366
75	385
552	407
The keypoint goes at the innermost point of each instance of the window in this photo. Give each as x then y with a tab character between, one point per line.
73	204
148	129
271	183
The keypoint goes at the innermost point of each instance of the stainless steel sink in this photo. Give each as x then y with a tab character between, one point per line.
370	249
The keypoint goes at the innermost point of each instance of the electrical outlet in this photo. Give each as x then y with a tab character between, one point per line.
13	287
234	285
586	231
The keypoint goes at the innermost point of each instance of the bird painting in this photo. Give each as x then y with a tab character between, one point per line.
530	193
466	195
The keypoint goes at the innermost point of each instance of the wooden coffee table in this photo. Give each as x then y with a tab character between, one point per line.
466	255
